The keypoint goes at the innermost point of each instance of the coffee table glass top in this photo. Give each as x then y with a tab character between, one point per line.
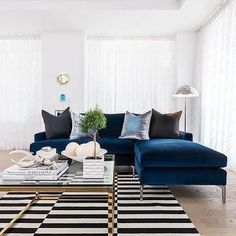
72	177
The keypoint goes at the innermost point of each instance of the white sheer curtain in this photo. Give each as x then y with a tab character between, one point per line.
130	74
20	91
216	78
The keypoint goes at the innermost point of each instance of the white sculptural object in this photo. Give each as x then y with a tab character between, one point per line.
29	160
71	148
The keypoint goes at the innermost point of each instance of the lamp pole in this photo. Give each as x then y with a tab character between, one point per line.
185	114
185	92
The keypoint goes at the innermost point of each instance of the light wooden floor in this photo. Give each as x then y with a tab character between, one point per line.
202	204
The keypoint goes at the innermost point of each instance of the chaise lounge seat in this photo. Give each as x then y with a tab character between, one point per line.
178	162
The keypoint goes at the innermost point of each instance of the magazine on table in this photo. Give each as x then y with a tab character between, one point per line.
41	172
34	177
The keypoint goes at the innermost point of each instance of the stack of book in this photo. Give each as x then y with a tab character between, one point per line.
52	172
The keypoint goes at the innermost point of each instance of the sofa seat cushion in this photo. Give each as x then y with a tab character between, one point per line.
176	153
113	145
116	145
59	144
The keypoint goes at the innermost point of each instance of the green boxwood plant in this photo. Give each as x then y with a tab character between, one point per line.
92	121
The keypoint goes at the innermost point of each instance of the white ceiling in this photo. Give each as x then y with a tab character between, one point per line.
92	4
104	17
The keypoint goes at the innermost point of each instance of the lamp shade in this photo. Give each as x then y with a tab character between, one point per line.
186	91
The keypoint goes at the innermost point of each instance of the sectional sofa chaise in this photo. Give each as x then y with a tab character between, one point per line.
156	161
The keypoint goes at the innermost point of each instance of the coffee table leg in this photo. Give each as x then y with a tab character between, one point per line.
110	213
18	216
27	207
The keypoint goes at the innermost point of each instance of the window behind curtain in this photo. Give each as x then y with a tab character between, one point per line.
216	78
130	74
20	91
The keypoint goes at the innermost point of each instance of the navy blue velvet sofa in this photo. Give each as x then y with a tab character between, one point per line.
108	138
156	161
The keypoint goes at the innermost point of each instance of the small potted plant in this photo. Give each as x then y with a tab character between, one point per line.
92	121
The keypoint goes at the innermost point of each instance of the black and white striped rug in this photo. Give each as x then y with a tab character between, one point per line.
77	214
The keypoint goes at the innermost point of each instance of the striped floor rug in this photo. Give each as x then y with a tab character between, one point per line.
76	214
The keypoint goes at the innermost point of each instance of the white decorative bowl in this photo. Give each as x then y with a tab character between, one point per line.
81	158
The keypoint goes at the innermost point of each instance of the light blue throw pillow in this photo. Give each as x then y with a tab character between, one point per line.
136	126
76	132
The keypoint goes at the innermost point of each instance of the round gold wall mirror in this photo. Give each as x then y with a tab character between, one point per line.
63	79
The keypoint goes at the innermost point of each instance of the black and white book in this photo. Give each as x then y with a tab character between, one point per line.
52	172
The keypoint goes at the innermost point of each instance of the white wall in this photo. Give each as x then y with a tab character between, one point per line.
63	52
185	61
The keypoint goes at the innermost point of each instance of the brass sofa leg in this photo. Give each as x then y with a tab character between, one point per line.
141	192
223	189
133	171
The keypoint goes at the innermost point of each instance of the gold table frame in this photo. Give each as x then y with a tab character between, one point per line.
38	196
38	189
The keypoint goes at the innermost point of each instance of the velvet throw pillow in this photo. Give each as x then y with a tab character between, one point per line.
136	126
165	125
57	126
76	132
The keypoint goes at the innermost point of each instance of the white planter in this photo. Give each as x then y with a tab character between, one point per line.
93	168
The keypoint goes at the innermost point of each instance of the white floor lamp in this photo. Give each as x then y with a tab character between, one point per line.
185	92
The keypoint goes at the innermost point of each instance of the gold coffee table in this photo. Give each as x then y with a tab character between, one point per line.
71	181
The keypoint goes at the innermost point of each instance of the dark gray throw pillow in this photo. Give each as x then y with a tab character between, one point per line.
164	125
57	126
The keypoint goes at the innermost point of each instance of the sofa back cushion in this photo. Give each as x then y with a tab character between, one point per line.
165	125
57	126
114	125
136	126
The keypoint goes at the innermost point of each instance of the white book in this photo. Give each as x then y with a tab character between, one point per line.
54	169
93	176
55	176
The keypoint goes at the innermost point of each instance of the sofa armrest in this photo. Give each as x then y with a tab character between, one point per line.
40	136
186	136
